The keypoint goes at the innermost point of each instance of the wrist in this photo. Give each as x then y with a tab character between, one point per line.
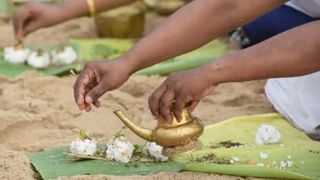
128	63
215	73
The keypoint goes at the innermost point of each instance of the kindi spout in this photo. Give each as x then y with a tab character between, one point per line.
140	131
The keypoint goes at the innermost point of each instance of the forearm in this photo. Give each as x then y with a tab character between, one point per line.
193	26
79	8
292	53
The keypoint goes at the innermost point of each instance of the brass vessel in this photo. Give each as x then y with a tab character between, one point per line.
122	22
165	134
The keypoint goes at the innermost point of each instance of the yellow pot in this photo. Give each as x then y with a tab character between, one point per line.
167	7
122	22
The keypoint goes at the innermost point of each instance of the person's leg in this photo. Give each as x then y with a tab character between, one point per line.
273	23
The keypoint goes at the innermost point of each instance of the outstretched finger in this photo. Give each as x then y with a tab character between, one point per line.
154	100
93	95
97	103
18	23
166	103
80	89
180	103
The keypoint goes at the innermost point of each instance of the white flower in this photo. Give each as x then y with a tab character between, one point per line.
39	59
67	55
155	151
119	149
16	55
267	134
83	147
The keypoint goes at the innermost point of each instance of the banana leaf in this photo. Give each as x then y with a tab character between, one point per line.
193	59
303	152
110	48
52	164
11	70
6	7
294	146
97	49
86	49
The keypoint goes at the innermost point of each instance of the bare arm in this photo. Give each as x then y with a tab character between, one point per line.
292	53
78	8
193	26
189	28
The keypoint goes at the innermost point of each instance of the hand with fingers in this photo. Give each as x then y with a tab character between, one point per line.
96	79
34	16
180	90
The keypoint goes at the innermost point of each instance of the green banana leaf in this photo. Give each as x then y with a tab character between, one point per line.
89	50
294	146
86	50
303	152
52	164
193	59
97	49
11	70
6	7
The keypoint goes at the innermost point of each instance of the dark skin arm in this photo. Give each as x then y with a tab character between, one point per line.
292	53
175	36
196	24
38	15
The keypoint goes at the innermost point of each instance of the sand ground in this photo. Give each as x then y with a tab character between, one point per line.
38	112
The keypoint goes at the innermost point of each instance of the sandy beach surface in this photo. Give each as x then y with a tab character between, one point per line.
38	112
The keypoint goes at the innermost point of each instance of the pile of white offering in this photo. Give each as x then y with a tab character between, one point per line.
40	58
83	147
118	149
155	151
267	134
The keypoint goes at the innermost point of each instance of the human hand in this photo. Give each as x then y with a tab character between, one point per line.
97	78
34	16
178	91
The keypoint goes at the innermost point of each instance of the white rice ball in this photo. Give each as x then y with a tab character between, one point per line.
119	149
155	151
67	56
83	147
16	56
39	60
267	134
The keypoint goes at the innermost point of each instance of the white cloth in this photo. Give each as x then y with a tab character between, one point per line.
297	99
309	7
